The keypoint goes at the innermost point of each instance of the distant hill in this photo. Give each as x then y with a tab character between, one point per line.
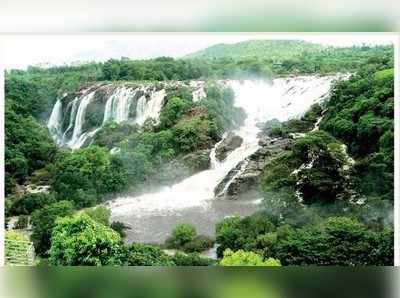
273	49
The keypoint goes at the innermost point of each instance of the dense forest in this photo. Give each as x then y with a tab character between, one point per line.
327	198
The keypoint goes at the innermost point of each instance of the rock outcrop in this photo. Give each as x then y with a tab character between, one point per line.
227	145
245	178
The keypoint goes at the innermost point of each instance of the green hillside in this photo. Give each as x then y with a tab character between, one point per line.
275	49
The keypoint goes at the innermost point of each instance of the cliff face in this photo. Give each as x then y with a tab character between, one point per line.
77	116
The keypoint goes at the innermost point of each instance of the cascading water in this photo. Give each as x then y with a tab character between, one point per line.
54	123
149	108
77	137
117	102
153	215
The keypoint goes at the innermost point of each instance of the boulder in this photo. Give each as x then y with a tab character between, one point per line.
227	145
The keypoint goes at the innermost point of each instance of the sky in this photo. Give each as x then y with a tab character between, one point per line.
19	51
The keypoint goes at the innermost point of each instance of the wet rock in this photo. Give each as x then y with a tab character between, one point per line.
246	176
230	143
197	161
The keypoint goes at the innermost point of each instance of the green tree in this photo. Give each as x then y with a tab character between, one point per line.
43	221
29	202
79	240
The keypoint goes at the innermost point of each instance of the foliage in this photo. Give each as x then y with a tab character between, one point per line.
84	175
43	221
28	146
260	58
304	124
198	244
111	134
191	259
172	111
120	228
334	241
100	214
244	258
138	254
22	222
29	202
80	240
183	234
339	241
219	102
360	109
236	233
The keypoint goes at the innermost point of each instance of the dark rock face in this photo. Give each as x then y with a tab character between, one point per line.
230	143
246	176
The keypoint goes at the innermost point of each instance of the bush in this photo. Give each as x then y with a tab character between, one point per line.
182	234
198	244
80	240
138	254
191	259
244	258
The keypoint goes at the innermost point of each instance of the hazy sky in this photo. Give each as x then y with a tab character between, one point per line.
18	51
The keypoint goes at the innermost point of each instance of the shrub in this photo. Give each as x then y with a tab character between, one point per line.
138	254
183	234
198	244
191	259
245	258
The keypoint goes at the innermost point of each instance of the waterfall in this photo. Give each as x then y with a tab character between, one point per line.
54	123
117	108
78	138
74	104
283	99
149	108
118	104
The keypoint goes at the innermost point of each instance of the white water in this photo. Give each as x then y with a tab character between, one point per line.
284	99
151	108
118	104
78	138
54	123
117	108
